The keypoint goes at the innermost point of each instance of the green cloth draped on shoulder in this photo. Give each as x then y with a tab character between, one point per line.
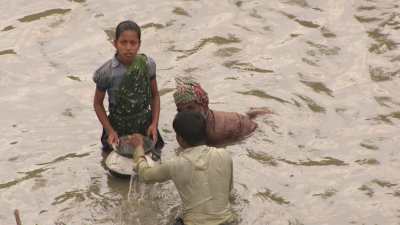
131	113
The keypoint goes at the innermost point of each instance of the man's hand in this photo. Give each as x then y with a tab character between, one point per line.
152	132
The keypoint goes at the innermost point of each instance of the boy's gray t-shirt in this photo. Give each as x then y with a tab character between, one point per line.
108	77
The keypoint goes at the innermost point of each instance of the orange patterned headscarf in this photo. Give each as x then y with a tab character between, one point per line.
188	90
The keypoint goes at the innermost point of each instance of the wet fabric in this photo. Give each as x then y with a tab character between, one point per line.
109	76
131	113
188	90
203	178
224	127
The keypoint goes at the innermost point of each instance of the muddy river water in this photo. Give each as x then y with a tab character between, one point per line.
328	69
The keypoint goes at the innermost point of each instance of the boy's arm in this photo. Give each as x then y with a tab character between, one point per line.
157	173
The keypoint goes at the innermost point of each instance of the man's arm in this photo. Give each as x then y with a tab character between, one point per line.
157	173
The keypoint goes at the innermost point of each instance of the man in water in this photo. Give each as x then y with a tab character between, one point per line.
202	174
222	127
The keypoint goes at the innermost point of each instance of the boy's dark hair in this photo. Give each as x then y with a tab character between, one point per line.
191	126
127	25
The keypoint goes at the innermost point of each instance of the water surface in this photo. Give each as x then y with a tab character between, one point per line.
329	71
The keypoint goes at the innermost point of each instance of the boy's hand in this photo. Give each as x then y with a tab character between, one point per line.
152	132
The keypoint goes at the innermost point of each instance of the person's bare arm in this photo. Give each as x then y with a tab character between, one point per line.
155	109
102	116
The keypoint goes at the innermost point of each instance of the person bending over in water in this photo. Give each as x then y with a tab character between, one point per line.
202	174
129	79
222	127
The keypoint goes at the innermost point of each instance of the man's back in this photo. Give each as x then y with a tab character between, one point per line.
203	177
202	174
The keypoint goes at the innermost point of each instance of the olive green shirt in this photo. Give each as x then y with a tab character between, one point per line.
203	177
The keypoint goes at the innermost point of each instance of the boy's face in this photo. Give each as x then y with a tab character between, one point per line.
127	46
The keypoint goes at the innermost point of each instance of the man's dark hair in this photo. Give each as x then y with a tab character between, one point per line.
191	126
127	25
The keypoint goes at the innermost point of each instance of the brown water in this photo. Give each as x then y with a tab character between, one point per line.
329	70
